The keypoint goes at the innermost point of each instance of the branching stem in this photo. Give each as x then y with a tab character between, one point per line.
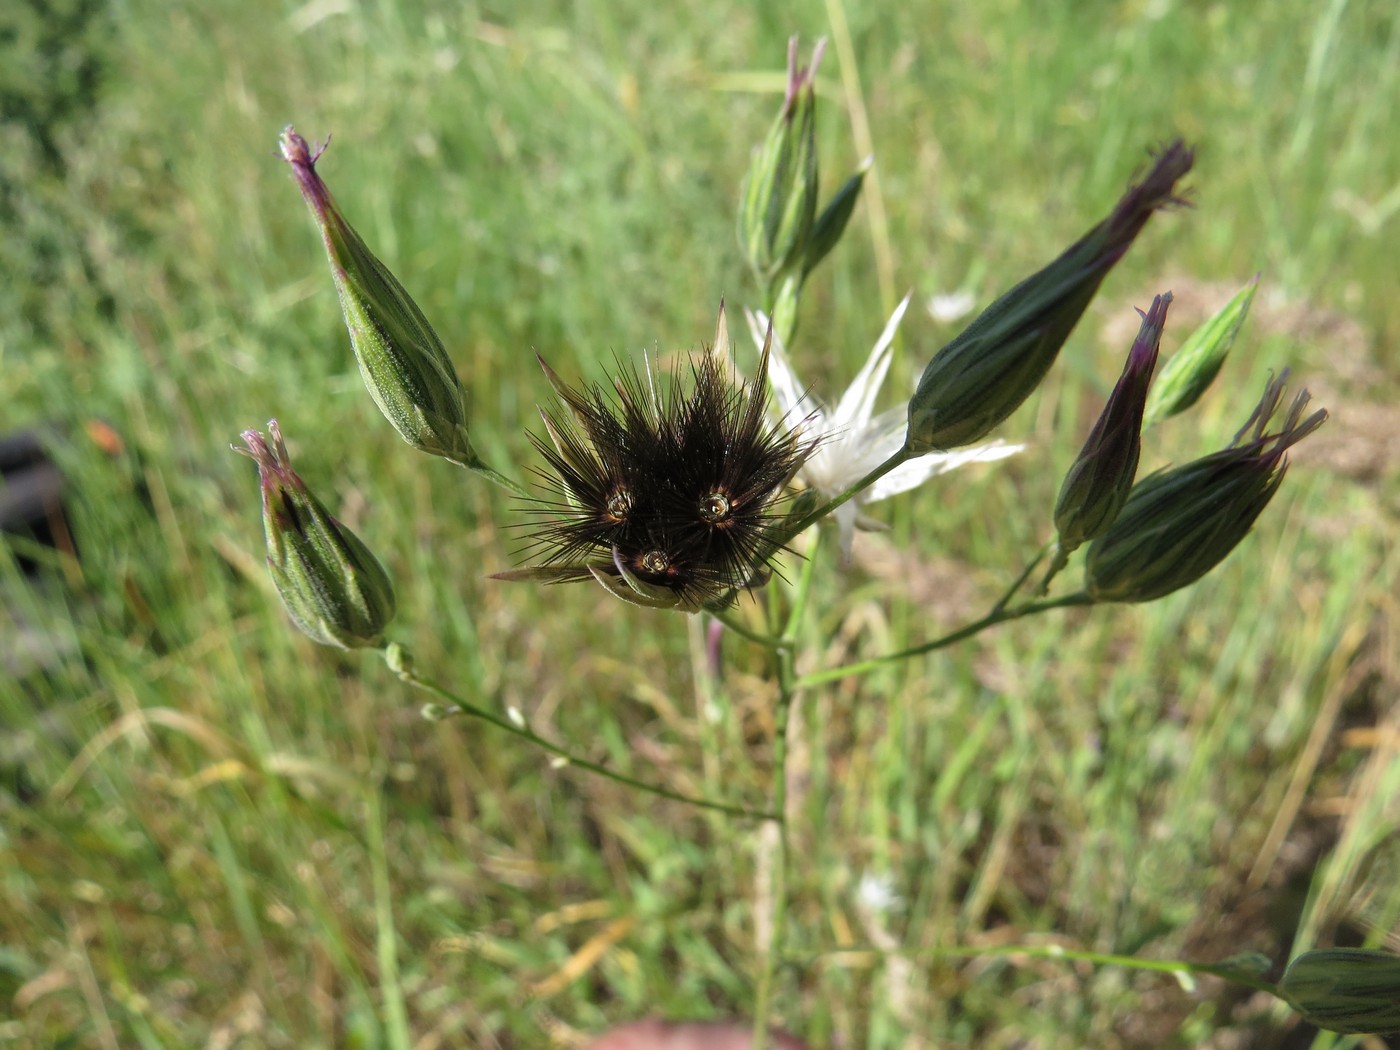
1176	967
998	614
457	705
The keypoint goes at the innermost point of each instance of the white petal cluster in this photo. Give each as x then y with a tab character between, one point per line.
853	438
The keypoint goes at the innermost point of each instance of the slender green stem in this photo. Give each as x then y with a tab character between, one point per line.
996	616
1175	967
457	705
1020	580
386	940
799	598
901	456
1058	562
777	889
731	622
513	487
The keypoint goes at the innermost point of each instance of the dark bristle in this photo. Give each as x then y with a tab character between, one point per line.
676	487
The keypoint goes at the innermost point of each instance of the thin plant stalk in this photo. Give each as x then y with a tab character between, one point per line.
1178	968
998	614
1020	580
899	457
787	693
778	886
386	939
731	622
458	705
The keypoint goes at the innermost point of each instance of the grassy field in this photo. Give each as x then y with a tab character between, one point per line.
213	833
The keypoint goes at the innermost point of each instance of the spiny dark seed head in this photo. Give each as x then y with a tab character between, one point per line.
672	483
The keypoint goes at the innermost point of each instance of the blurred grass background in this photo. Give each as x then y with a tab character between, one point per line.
215	834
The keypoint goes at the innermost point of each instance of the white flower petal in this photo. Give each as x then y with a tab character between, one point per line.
786	386
845	516
914	473
904	477
852	440
887	431
857	452
858	402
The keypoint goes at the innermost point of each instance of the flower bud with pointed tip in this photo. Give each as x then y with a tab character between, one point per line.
402	360
332	585
1098	484
1180	523
1351	990
994	364
778	198
1195	365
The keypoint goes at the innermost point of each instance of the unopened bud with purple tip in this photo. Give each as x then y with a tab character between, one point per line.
1180	523
983	375
332	585
778	198
401	358
1098	484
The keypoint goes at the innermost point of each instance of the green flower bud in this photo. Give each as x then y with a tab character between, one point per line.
401	358
1193	367
334	588
1180	523
1349	990
778	198
994	364
1098	484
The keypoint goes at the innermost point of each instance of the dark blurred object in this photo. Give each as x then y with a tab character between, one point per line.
31	496
690	1035
35	633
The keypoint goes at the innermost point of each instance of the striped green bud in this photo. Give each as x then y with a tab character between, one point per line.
1195	365
332	585
402	360
994	364
778	197
1349	990
1180	523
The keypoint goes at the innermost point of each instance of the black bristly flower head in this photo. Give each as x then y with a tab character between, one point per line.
664	491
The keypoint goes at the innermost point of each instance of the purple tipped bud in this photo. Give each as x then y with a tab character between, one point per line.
778	199
334	589
1180	523
1098	484
983	375
401	358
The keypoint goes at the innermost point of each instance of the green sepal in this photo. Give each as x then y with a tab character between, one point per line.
831	223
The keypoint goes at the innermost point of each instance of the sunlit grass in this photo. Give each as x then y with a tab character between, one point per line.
214	832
